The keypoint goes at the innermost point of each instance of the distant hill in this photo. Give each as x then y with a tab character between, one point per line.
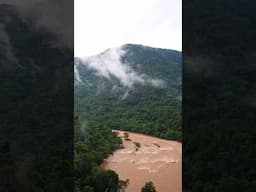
132	87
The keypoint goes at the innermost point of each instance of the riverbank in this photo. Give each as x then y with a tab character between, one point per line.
146	158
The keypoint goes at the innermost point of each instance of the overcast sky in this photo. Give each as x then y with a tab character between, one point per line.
102	24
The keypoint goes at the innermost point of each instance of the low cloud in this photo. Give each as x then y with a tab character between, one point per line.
200	66
76	74
56	16
8	59
109	64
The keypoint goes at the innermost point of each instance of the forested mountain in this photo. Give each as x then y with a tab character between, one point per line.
132	87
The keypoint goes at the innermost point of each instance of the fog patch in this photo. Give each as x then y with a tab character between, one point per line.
8	58
125	95
109	64
200	66
76	73
56	16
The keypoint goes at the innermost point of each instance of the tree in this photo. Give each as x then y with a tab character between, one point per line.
106	181
123	185
126	136
87	189
149	187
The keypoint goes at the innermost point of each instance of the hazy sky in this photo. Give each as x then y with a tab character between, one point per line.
102	24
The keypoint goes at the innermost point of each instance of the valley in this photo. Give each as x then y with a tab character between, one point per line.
135	88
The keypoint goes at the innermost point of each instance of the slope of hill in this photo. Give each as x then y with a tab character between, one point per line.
132	87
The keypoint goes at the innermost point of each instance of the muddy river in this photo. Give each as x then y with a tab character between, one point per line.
153	159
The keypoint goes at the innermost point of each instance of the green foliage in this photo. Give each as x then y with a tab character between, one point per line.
149	187
87	189
123	185
148	113
90	151
137	145
106	181
126	136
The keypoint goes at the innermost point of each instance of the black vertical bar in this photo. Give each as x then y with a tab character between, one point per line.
36	95
219	95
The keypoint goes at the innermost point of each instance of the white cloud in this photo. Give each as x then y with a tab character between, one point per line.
109	64
101	24
76	74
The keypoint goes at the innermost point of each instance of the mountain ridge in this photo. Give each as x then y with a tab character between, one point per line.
125	64
131	45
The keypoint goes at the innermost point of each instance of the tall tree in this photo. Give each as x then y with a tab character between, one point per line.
149	187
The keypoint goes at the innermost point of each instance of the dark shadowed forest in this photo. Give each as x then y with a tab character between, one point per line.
219	96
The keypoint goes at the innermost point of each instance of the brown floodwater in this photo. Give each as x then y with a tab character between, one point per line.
156	160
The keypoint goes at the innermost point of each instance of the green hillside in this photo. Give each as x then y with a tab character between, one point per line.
150	102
